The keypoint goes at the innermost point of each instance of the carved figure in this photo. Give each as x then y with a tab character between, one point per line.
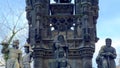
14	55
59	43
62	60
27	57
60	40
106	56
60	52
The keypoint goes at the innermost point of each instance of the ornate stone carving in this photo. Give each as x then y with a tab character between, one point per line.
65	9
76	21
60	52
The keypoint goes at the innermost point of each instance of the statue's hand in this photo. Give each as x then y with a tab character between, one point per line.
108	54
103	54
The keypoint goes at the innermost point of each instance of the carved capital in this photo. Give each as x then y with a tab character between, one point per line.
38	52
87	51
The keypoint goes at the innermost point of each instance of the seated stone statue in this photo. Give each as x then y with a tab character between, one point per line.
59	43
27	57
62	1
62	60
60	52
106	56
14	55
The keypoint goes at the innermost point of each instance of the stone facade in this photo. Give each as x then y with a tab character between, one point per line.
76	22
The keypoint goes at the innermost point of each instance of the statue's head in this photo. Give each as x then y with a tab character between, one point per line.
61	39
108	42
26	47
16	44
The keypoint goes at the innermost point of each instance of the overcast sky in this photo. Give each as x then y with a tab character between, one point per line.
108	22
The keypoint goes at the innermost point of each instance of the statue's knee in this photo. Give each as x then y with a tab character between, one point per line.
104	61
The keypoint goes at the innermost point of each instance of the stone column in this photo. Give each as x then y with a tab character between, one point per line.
87	62
86	53
38	62
38	57
78	7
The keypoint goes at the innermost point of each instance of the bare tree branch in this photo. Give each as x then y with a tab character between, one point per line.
5	19
12	23
10	7
18	19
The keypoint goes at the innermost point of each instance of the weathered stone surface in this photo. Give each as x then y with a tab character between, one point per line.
106	56
76	22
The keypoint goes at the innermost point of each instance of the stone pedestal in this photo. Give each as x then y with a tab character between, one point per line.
86	55
38	57
38	63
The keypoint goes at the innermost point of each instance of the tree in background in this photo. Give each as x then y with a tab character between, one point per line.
13	23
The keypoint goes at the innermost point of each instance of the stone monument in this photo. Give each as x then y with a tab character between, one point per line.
60	49
26	60
14	55
106	56
75	21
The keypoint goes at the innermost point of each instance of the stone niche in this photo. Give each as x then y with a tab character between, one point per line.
62	9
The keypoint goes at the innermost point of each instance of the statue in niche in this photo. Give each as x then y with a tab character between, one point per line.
106	56
62	61
14	55
60	52
27	57
59	42
62	1
86	30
